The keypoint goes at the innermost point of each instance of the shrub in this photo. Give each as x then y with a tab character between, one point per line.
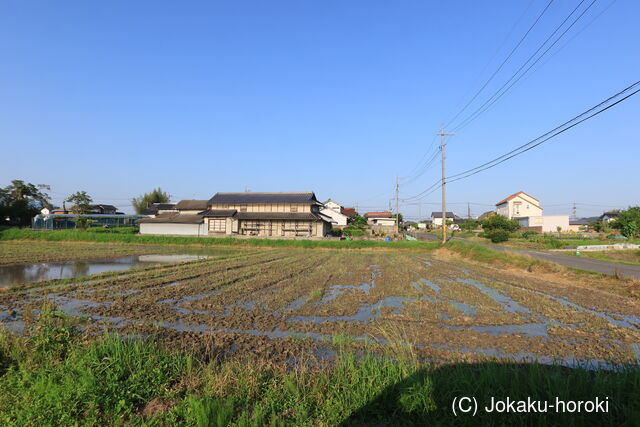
529	233
499	222
498	235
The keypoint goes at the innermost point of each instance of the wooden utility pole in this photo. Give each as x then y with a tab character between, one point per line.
397	211
444	189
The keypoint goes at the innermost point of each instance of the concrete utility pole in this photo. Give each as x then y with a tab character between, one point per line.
444	189
397	211
468	210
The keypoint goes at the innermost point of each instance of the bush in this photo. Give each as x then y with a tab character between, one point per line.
529	233
337	232
498	235
499	222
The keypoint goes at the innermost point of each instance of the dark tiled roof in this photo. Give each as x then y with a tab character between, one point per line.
155	207
173	218
191	205
219	213
583	221
104	207
247	198
301	216
439	215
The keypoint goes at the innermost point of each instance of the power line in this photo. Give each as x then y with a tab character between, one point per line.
548	135
503	62
502	91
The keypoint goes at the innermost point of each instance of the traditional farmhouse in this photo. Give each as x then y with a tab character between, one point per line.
609	216
519	205
93	210
245	214
380	218
436	218
191	207
581	224
155	209
334	211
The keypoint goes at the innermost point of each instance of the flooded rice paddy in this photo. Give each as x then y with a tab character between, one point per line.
281	303
29	273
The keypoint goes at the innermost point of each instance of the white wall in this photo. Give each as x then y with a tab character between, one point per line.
173	229
339	218
549	223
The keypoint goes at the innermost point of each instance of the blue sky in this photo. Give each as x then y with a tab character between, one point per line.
337	97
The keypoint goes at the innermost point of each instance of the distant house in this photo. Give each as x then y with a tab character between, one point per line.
384	218
349	211
581	224
49	210
99	209
333	210
286	214
436	218
155	209
609	216
519	205
190	207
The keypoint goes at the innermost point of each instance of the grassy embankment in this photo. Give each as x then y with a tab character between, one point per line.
92	236
631	257
56	376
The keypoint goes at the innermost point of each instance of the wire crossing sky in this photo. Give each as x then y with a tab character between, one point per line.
117	98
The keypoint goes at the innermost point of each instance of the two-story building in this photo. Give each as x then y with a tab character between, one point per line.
288	214
519	205
333	210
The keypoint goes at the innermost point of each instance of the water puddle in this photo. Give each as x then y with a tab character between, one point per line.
365	313
507	303
531	330
29	273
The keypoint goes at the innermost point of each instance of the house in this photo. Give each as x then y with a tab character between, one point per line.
49	210
609	216
519	205
384	218
349	211
288	214
191	207
99	209
436	218
333	210
581	224
155	209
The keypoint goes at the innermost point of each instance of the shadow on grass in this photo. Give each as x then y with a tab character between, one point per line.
426	397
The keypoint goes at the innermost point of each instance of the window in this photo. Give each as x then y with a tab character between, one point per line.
243	208
217	225
294	208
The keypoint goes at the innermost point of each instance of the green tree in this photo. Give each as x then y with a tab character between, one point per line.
469	224
81	202
155	196
500	222
628	222
20	201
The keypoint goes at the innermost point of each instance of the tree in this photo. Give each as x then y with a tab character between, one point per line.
470	224
496	222
20	201
628	222
155	196
81	202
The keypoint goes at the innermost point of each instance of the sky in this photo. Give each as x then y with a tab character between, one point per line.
337	97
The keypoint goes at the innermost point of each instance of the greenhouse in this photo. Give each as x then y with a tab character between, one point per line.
62	222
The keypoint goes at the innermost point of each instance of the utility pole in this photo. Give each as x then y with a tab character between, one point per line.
397	211
574	211
444	189
468	210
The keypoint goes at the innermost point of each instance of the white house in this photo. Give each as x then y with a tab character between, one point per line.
333	210
436	218
380	218
519	205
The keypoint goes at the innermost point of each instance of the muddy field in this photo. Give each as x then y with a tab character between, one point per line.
296	304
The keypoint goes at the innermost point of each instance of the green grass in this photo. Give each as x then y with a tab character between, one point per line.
481	253
607	256
90	236
55	376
